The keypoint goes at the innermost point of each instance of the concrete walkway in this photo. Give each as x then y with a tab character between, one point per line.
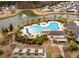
61	49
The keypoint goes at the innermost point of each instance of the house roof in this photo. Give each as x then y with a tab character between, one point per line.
32	50
56	33
16	50
24	50
72	26
77	7
40	50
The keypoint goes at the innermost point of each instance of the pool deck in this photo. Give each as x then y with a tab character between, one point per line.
43	24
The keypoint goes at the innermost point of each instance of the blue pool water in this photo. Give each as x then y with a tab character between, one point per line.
53	26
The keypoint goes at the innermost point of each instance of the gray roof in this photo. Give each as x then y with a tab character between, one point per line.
72	26
16	50
56	33
77	7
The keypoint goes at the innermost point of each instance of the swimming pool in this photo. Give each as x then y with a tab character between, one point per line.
34	30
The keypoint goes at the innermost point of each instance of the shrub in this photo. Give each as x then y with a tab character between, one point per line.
49	55
44	36
15	57
60	56
64	20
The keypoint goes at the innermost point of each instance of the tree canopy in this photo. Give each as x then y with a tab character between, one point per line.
73	46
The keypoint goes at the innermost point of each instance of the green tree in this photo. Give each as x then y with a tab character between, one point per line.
11	27
68	32
6	30
8	38
34	41
26	38
44	37
22	39
39	41
73	46
64	20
